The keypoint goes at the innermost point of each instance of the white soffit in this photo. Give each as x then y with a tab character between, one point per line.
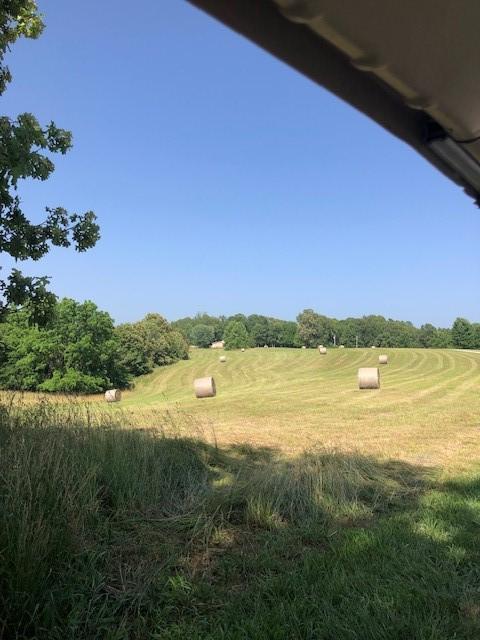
427	51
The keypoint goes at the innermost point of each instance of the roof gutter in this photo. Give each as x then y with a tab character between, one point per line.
296	45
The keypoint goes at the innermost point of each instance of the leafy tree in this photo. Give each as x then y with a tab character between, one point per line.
164	344
308	328
202	335
349	330
178	346
133	351
22	141
149	343
239	317
442	339
28	356
236	335
259	330
73	381
314	329
476	335
80	350
426	335
463	334
185	325
371	328
76	351
282	333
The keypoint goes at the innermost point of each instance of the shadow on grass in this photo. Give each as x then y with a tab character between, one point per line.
110	532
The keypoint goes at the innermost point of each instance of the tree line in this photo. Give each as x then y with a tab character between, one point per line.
238	331
312	329
78	349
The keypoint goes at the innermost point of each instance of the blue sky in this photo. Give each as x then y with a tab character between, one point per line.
226	182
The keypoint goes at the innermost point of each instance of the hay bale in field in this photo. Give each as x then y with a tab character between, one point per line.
204	387
222	359
243	350
219	344
113	395
322	350
373	346
383	359
342	346
304	347
368	378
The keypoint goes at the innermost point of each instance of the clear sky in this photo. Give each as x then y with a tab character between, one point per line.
226	182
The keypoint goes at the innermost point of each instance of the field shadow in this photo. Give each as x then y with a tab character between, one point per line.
125	533
394	556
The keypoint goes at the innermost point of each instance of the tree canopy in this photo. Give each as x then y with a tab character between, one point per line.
261	330
312	328
80	351
150	343
463	334
77	351
26	148
236	335
202	335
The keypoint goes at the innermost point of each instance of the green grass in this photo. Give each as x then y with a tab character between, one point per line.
109	530
425	412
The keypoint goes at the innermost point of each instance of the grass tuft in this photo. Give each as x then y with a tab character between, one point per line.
109	531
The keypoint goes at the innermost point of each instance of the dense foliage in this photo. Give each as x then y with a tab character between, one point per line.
260	330
466	335
312	329
77	351
80	350
188	325
236	335
202	335
149	343
26	149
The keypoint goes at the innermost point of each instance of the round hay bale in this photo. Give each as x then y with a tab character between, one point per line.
322	350
373	346
368	378
304	347
222	359
113	395
243	350
204	387
342	346
320	346
383	359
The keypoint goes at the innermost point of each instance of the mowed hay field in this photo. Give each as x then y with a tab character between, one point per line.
427	410
292	506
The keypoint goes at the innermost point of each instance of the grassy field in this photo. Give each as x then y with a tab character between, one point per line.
427	410
291	506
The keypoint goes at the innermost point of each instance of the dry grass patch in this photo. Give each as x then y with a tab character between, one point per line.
426	411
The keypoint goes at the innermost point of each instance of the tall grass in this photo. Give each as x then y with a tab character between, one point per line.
98	520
